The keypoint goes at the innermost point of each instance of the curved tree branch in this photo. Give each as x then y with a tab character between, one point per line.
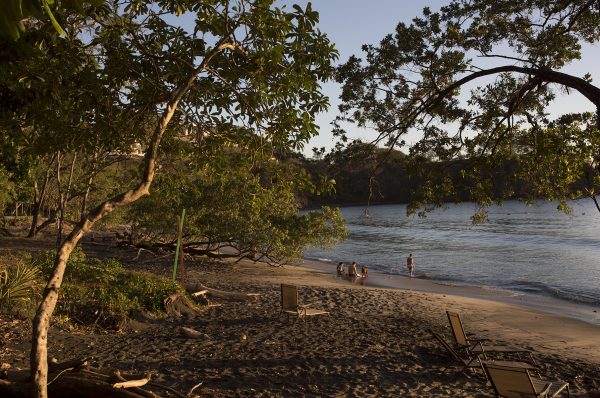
41	321
587	89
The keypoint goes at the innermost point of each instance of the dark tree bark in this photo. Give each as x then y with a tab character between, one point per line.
88	186
39	199
59	208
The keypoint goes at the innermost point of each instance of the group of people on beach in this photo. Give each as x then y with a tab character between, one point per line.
364	271
352	270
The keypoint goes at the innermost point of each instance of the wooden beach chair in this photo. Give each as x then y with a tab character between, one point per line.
290	305
472	362
515	382
478	347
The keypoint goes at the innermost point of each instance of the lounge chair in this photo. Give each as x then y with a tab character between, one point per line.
514	382
477	347
472	362
290	306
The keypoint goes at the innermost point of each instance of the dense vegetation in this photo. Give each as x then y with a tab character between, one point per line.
364	174
99	292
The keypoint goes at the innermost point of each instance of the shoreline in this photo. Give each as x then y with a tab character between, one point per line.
544	325
374	342
553	306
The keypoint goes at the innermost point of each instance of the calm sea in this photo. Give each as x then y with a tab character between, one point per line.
536	250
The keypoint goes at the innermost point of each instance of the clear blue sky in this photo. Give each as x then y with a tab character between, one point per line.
352	23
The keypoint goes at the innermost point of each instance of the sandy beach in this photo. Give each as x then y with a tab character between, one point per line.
374	342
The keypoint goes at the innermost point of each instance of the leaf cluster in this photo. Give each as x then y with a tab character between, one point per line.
472	80
17	284
251	207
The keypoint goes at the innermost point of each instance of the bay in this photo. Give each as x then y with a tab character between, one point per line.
524	249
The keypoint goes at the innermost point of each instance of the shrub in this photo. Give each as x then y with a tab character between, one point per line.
17	285
101	291
45	261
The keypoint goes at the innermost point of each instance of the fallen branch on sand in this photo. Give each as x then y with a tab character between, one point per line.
124	383
77	379
199	290
194	334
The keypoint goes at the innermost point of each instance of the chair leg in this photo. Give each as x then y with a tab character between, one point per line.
532	358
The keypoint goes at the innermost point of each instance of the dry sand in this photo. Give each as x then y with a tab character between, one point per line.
373	344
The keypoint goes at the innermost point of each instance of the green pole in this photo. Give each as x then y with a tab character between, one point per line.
179	236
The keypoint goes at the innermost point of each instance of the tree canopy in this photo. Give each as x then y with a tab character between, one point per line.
243	74
237	207
509	56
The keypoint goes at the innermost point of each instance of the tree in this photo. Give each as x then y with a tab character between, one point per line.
245	206
243	64
17	12
509	54
7	190
56	106
560	159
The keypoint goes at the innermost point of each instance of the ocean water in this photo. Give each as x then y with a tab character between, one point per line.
525	249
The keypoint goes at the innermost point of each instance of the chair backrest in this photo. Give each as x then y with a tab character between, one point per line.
289	297
457	329
447	346
509	381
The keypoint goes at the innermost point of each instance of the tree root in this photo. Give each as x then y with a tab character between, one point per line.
177	305
78	379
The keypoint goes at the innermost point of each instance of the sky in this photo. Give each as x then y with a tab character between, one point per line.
351	23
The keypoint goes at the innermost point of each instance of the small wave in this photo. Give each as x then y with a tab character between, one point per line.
540	288
316	258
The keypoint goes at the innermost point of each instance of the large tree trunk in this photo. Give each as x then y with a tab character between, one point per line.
41	321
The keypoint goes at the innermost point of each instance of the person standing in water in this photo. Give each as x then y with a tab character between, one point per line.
364	271
352	271
410	264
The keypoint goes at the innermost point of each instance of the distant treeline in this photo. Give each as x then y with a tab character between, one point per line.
365	176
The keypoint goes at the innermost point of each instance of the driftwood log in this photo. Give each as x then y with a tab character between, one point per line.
76	379
199	290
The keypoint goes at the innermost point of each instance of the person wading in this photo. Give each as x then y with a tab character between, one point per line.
410	264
